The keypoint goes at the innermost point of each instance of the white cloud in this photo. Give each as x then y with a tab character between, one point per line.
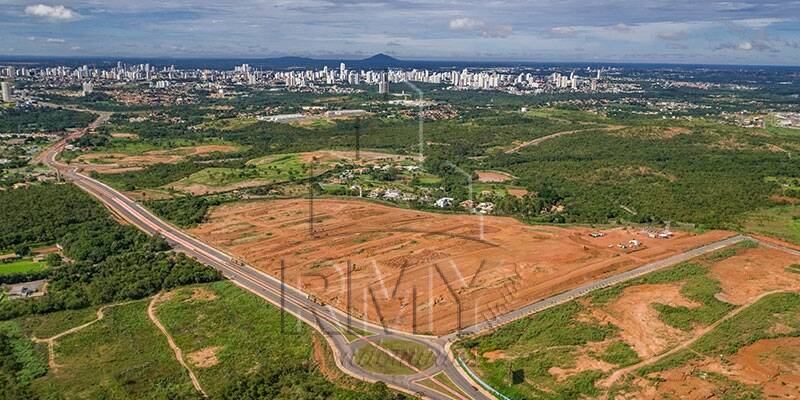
749	45
485	30
54	40
621	28
562	31
53	13
733	6
466	24
757	23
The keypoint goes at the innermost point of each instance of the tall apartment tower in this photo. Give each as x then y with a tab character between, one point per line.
383	84
6	88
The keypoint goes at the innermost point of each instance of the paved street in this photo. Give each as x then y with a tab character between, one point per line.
330	321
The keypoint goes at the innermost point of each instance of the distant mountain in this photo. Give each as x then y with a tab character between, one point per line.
377	61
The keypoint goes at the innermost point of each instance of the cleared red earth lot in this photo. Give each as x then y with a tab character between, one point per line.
411	269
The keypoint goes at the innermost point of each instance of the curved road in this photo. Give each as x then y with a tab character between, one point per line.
331	322
328	321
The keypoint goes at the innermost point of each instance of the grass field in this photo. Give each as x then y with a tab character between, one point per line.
413	353
122	356
229	124
779	222
48	325
267	169
372	359
133	147
231	339
227	333
20	266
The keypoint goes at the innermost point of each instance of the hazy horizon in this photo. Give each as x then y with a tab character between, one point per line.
619	31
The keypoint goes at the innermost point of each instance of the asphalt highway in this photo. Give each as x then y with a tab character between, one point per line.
331	322
327	320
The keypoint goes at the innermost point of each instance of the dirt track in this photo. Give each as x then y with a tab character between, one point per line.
151	312
536	141
413	269
51	341
696	336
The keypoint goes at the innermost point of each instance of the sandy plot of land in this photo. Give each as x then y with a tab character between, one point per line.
125	135
583	363
120	162
517	192
639	323
200	189
493	176
754	271
413	269
771	364
204	358
678	383
337	155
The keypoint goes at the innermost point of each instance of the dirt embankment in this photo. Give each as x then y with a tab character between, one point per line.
753	272
639	323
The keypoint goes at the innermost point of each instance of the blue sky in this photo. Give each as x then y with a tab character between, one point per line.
683	31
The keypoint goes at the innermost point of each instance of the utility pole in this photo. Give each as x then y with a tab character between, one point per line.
358	139
311	199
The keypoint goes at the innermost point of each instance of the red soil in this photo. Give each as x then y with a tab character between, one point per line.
396	252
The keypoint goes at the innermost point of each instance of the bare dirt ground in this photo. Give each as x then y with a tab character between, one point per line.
120	135
201	294
773	365
583	363
119	162
413	269
493	176
337	155
517	192
204	358
752	272
639	323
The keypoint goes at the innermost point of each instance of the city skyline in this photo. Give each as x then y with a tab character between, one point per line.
556	31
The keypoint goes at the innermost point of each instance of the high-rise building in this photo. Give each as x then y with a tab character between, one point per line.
383	84
594	85
342	70
6	87
87	88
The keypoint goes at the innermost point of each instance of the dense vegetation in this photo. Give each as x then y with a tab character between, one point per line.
110	261
12	369
42	119
644	170
182	211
